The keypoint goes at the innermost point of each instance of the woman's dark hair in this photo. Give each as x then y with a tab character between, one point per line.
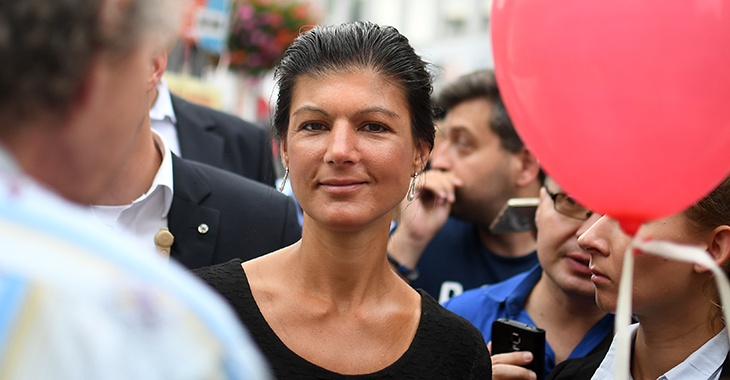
359	45
713	210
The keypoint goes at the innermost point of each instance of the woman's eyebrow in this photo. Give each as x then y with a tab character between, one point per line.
310	109
379	110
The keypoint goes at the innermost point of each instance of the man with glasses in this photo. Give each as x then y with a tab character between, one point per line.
556	296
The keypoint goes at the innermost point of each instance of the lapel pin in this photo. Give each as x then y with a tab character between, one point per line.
203	228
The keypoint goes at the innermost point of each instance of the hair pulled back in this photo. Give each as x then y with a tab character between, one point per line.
324	50
710	212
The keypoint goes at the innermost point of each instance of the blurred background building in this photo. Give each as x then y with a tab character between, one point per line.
227	47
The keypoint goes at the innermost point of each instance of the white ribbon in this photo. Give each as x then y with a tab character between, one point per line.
674	251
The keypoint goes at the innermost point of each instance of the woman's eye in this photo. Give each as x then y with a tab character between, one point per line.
313	126
376	128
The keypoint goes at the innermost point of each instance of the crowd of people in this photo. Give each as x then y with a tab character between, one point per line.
143	238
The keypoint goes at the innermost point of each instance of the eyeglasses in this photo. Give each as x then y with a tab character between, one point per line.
567	206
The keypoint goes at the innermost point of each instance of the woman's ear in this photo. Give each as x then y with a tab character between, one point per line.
284	153
420	160
718	247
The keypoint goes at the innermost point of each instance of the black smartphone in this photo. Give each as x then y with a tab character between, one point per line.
517	215
509	336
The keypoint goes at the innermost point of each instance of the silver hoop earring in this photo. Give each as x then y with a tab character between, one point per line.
284	179
412	189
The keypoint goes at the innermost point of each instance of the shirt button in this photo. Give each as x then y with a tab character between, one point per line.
203	228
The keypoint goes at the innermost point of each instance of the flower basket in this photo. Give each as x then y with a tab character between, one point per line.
262	29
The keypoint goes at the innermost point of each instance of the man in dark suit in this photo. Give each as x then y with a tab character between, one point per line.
213	215
212	137
224	141
217	216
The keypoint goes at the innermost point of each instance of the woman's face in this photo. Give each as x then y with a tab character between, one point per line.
659	283
349	148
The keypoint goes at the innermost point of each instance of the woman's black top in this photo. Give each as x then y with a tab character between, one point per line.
446	346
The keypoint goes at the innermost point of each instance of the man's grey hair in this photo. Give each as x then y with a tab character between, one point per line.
47	48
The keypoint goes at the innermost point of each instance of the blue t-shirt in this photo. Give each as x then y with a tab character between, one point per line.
456	260
506	299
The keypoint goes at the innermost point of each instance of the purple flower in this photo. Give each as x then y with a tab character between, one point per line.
245	12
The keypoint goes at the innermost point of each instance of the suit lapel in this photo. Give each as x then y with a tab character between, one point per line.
194	226
194	129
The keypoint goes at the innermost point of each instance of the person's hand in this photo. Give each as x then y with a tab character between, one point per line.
422	218
507	366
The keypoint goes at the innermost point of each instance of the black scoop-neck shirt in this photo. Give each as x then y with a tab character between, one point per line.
446	346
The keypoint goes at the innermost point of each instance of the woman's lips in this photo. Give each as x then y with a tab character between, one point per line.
341	186
598	278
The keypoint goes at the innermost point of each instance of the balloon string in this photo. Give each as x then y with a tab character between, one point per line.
623	317
686	253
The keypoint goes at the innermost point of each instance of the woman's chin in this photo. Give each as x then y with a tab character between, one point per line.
608	306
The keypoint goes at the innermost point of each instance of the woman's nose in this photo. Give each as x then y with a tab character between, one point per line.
594	239
342	144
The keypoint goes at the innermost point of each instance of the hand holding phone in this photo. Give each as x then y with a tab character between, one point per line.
511	336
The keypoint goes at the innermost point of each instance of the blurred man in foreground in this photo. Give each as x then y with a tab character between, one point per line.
77	302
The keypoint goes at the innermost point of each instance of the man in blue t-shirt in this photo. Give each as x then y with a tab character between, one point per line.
478	164
557	295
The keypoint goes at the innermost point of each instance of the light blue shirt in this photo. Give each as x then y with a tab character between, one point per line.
506	299
77	302
703	364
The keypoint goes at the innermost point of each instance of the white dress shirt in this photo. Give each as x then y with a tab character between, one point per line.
703	364
163	119
144	217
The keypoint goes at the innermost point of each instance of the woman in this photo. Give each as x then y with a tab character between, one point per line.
354	118
681	333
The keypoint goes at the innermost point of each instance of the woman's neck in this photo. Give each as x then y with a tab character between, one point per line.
664	340
346	265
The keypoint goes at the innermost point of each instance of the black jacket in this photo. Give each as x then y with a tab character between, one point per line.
224	141
217	216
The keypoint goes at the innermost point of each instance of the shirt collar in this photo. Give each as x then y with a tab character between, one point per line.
163	178
705	363
515	296
163	104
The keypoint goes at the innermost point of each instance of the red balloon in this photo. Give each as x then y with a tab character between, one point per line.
626	103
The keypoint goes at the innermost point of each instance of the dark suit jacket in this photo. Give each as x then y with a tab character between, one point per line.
243	219
224	141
